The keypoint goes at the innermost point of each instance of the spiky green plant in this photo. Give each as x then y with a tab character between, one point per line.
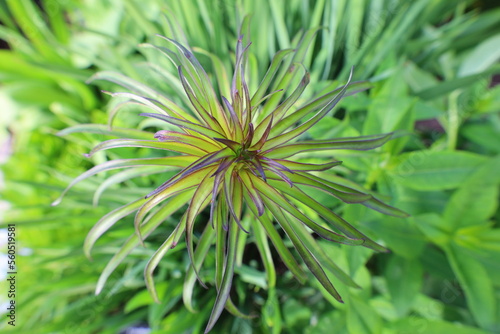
235	161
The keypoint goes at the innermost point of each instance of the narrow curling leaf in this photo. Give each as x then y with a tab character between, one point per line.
132	242
199	199
153	262
277	198
354	143
227	280
123	163
311	262
207	132
106	222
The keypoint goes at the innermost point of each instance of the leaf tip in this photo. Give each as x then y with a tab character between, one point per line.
56	202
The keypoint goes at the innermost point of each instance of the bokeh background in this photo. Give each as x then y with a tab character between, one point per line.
434	67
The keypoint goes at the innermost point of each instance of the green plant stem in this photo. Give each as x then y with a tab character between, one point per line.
453	120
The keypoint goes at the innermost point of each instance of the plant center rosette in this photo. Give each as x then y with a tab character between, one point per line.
236	158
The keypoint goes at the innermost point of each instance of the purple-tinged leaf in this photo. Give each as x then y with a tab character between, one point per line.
271	72
252	192
280	247
225	289
350	143
300	166
179	147
280	174
280	201
318	103
209	133
331	217
262	140
309	259
125	163
286	137
234	146
237	126
198	142
201	194
200	163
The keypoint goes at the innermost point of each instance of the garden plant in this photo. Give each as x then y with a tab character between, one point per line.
309	166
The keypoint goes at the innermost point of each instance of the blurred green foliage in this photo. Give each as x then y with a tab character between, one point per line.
432	65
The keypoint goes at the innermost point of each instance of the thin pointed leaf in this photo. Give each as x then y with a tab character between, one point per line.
106	222
309	259
353	143
345	194
189	181
276	197
316	104
123	163
170	146
209	133
227	280
271	72
198	142
124	176
278	244
331	217
280	139
299	166
153	262
141	89
132	242
252	192
202	193
200	254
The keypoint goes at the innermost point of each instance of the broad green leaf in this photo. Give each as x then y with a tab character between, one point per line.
433	170
476	199
432	326
361	317
448	86
477	284
404	281
434	228
485	54
485	134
